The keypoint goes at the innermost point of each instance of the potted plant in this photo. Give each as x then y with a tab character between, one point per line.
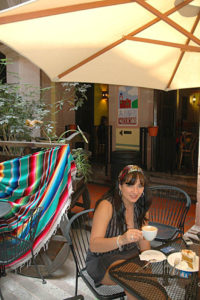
83	166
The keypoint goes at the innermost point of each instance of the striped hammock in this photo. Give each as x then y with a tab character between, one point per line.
41	179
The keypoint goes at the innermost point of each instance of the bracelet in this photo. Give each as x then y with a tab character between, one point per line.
118	244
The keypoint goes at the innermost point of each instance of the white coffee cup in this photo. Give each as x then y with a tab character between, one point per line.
149	232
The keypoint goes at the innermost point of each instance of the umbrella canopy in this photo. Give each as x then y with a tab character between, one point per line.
152	44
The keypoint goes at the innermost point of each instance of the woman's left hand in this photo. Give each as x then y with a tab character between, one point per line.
132	235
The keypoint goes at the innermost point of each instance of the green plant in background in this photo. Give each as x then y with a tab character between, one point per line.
15	109
78	130
75	94
22	109
81	157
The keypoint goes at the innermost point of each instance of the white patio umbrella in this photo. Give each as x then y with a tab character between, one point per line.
140	43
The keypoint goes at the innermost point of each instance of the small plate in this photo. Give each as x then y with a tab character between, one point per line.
152	254
183	266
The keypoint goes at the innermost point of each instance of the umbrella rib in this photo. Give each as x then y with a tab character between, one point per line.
91	57
182	4
157	19
168	21
59	10
163	43
66	9
182	54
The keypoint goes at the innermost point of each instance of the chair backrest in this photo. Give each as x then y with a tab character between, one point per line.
78	236
14	243
170	205
188	141
194	143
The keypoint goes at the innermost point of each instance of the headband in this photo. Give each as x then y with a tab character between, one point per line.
127	170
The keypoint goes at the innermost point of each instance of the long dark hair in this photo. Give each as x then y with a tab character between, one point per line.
142	205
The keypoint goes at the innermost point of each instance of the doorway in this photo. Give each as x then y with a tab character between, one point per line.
176	114
84	116
166	139
89	116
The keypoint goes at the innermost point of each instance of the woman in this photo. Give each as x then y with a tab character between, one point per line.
116	231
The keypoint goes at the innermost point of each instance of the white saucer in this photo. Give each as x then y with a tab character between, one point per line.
183	266
152	254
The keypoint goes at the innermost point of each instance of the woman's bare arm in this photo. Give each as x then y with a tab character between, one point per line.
102	217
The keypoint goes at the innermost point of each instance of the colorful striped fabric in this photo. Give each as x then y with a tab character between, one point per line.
41	179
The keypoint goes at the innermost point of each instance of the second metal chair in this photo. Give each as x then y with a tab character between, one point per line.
168	211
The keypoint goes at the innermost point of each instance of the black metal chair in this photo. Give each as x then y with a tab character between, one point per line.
168	211
78	234
187	148
13	244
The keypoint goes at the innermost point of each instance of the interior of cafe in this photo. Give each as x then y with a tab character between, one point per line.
178	121
176	113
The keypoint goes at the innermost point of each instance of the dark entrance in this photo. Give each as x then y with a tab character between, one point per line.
175	118
166	140
84	116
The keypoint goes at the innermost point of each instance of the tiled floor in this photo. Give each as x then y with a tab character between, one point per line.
58	287
61	283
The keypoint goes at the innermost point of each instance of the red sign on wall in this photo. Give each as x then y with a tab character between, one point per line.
128	106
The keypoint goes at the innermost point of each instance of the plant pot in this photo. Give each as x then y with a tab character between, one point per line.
72	126
77	182
153	130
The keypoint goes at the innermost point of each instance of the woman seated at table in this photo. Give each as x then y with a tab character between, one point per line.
116	231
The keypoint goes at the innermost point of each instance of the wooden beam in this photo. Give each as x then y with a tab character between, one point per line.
59	10
163	43
29	144
164	18
157	19
88	59
182	54
39	144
